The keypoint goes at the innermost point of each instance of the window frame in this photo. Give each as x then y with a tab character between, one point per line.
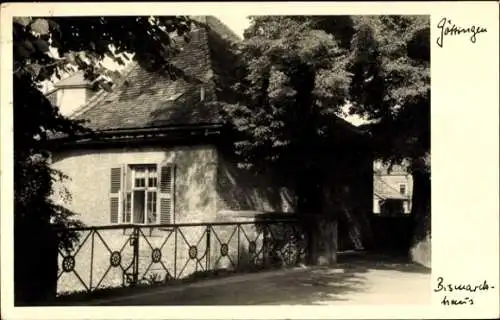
150	171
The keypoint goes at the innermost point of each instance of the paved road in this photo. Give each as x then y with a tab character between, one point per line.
355	282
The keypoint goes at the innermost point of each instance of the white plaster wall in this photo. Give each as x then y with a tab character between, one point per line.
89	186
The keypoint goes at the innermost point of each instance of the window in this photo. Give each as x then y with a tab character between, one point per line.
147	195
402	188
141	199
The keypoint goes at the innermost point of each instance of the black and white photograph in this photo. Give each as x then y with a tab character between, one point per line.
231	160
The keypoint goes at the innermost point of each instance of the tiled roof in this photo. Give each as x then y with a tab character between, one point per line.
384	191
150	99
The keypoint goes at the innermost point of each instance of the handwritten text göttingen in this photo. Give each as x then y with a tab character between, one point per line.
448	29
447	287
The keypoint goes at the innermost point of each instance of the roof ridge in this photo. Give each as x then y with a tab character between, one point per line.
215	26
210	19
210	79
102	94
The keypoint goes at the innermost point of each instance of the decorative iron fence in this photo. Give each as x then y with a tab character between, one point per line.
127	255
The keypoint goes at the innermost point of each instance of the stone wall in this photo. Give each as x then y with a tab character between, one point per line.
421	252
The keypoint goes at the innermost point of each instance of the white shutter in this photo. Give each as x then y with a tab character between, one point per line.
166	193
126	189
115	194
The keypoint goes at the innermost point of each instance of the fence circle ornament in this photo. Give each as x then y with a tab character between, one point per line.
252	247
224	249
156	255
68	263
193	252
115	259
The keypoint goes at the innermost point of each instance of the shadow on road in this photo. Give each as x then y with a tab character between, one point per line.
317	285
295	287
355	274
363	262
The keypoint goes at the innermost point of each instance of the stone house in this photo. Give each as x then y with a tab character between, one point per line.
161	155
392	190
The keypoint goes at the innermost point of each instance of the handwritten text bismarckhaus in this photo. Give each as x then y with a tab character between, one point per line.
446	28
465	288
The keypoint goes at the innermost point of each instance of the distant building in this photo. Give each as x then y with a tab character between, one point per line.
71	93
392	190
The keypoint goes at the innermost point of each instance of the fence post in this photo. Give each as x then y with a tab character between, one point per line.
175	252
92	260
135	266
207	249
265	245
238	254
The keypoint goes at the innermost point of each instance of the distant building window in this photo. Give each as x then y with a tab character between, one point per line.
402	188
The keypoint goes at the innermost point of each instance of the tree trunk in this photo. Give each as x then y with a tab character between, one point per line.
420	251
328	224
319	227
319	219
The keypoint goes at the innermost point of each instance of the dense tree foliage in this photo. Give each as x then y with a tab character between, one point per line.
295	76
301	70
45	49
391	86
391	83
